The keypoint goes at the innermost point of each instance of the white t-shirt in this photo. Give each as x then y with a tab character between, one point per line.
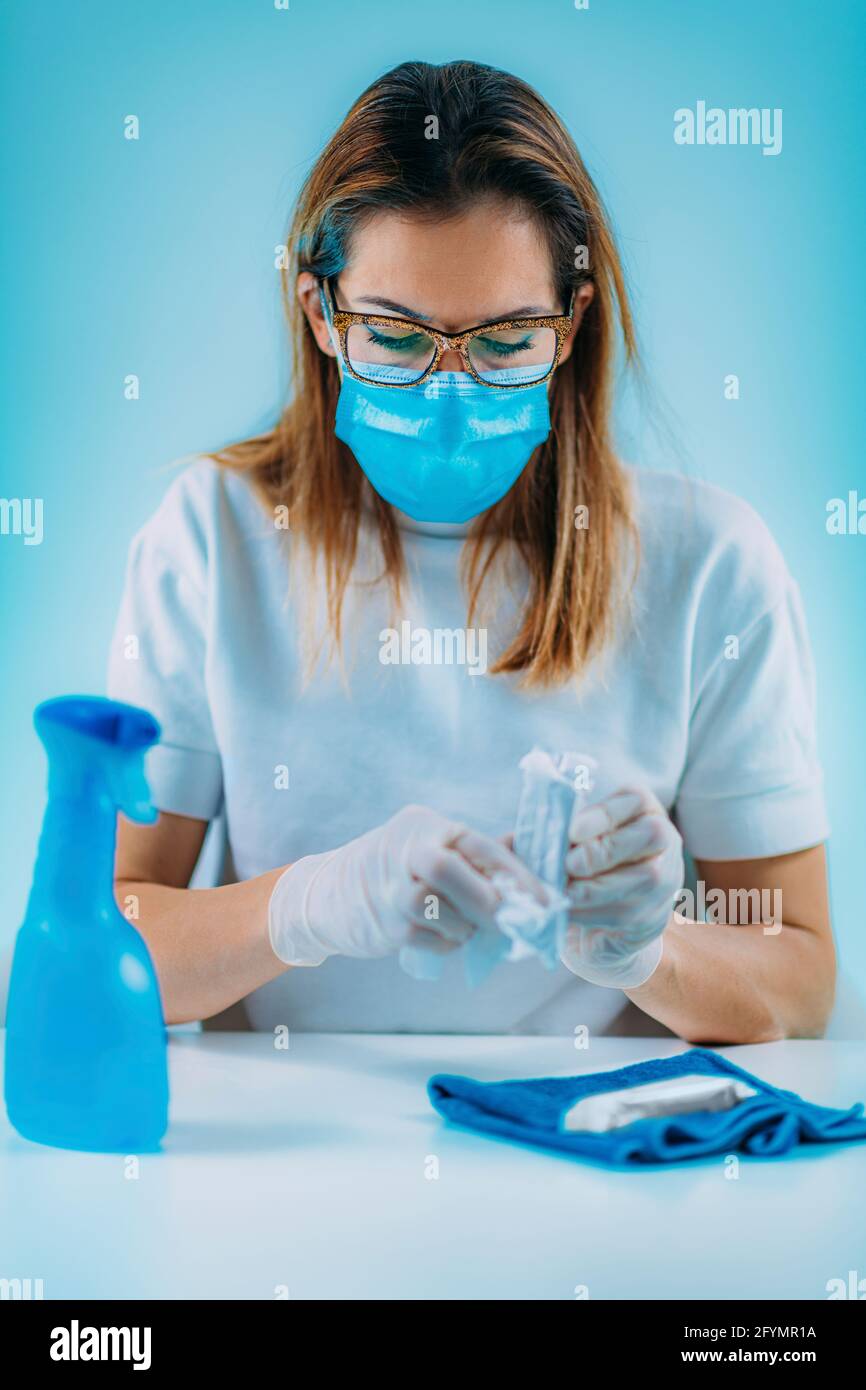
706	697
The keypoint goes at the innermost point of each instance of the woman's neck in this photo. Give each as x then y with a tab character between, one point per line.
432	528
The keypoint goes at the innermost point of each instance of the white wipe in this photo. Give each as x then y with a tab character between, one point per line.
681	1096
420	964
552	783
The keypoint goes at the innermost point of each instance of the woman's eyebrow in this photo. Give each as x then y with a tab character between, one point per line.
524	312
393	308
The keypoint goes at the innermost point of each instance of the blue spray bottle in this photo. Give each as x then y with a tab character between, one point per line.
86	1061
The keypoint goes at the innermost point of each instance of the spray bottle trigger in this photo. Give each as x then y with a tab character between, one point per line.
129	789
134	732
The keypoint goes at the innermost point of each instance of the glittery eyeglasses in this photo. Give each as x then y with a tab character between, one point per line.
507	354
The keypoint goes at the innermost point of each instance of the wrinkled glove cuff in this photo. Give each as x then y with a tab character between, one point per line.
626	974
292	938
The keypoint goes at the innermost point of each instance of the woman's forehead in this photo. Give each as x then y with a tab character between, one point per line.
485	264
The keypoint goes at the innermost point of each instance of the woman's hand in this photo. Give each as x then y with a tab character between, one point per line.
420	881
625	868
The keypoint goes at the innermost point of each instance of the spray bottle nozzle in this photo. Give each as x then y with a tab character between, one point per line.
97	746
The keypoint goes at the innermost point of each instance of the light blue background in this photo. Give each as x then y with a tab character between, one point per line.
156	258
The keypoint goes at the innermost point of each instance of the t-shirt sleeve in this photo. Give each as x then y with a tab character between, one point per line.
158	660
752	786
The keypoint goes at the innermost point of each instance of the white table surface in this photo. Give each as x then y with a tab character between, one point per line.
306	1170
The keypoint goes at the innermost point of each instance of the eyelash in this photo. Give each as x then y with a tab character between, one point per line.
395	344
507	349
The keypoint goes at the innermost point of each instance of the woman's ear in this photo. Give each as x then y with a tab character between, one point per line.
310	301
582	301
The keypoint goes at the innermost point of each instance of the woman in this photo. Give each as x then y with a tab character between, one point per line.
446	467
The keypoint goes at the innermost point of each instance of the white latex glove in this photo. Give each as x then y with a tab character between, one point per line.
625	869
371	897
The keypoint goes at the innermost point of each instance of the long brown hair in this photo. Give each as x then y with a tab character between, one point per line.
496	138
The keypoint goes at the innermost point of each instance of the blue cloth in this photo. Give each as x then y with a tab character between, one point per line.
765	1126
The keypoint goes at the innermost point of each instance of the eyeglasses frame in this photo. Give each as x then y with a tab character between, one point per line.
343	319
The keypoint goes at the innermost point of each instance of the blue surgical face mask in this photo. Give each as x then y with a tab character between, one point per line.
445	450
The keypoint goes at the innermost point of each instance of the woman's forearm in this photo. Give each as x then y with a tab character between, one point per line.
210	946
714	984
739	984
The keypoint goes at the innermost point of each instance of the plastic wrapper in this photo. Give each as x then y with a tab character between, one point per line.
552	784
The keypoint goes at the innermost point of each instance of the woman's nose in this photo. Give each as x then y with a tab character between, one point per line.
450	361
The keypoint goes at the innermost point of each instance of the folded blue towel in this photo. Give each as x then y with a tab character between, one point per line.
766	1125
